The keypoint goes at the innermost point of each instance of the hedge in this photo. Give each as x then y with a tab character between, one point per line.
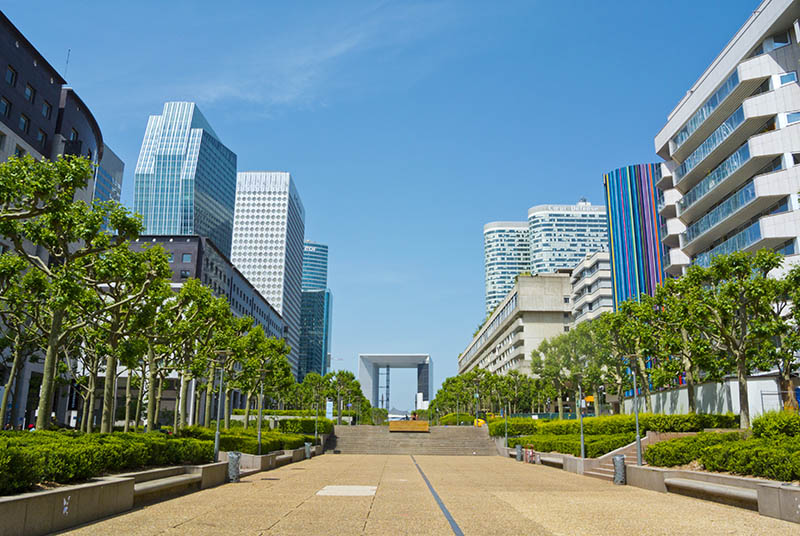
305	426
517	426
30	458
617	424
767	458
247	440
683	450
776	425
293	412
451	419
596	445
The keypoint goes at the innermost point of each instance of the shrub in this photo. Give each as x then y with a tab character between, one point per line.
683	450
596	445
294	412
517	426
305	426
768	458
452	419
776	424
618	424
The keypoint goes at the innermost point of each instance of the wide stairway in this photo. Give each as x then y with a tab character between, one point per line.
605	470
441	440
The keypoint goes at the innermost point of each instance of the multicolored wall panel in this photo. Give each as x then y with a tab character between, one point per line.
633	230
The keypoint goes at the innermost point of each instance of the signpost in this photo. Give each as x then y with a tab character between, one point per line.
329	409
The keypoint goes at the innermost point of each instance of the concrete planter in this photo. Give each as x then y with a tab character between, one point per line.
297	454
213	474
43	512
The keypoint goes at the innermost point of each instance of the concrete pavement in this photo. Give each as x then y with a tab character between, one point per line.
483	495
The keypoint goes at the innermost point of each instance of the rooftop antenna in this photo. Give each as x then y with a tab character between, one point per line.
66	67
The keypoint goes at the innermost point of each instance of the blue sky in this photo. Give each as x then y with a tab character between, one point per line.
407	125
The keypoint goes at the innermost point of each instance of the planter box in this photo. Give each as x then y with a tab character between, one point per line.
297	454
42	512
213	474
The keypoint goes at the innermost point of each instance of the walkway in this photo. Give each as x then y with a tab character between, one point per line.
483	495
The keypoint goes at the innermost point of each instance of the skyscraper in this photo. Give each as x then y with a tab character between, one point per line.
315	317
633	223
185	179
506	254
108	177
562	235
268	230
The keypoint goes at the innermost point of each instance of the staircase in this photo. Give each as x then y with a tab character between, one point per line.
605	470
441	440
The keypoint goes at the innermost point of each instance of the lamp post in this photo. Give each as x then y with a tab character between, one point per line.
225	353
580	409
506	415
636	418
260	411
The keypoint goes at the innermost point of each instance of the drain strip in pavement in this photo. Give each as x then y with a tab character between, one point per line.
442	507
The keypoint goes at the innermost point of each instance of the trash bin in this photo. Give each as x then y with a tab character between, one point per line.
537	458
233	465
619	469
519	452
308	450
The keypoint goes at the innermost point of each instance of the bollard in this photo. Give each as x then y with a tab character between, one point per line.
619	469
537	458
233	465
308	450
519	452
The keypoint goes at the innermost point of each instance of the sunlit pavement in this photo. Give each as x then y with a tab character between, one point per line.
478	495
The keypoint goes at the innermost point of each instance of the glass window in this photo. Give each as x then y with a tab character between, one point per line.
73	136
788	78
5	107
47	110
792	117
2	140
186	257
171	257
30	93
184	274
11	76
19	152
24	122
780	40
41	137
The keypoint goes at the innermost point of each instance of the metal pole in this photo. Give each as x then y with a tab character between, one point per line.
506	412
580	410
316	418
219	415
260	405
636	417
458	419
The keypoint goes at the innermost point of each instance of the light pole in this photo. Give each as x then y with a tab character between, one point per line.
636	418
506	415
219	400
580	409
260	411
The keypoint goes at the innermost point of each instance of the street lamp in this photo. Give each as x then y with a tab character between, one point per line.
636	418
225	353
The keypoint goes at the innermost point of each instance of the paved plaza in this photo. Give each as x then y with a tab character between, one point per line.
386	495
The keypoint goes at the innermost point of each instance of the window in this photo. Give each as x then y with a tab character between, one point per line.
788	78
186	257
25	123
30	93
41	138
566	299
796	158
73	136
171	257
792	117
5	107
566	328
184	274
780	40
47	110
11	76
19	152
2	141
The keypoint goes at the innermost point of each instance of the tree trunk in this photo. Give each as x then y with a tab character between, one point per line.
198	389
159	389
175	420
227	409
596	397
247	409
184	396
152	412
139	400
49	372
128	397
645	383
339	408
744	402
12	376
690	390
84	412
560	404
92	398
209	392
785	385
621	396
109	394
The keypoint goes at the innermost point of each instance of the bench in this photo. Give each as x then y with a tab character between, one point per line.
552	461
283	459
168	485
731	495
409	426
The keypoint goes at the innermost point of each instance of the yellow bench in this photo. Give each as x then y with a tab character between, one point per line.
409	426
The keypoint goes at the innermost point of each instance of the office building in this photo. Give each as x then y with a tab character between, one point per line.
561	235
185	179
506	254
633	204
731	148
268	244
537	307
108	177
315	312
592	292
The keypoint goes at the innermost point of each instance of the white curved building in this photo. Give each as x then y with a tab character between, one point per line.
506	252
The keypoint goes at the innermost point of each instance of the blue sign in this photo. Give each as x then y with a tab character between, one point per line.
329	409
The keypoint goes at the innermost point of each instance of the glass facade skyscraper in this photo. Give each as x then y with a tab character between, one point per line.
315	316
108	177
506	254
185	179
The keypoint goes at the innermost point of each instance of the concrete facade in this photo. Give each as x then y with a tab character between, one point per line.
537	308
371	366
731	148
592	287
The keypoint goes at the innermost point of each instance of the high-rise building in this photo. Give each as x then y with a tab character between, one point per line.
267	248
562	235
592	293
185	179
315	315
506	254
634	223
108	177
732	145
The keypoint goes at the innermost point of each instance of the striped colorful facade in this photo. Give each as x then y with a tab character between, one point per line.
633	230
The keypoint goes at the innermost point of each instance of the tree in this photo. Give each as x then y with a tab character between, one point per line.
551	363
338	385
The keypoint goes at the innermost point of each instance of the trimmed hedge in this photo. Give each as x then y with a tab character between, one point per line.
517	426
767	458
596	445
452	419
247	440
618	424
683	450
305	426
293	412
29	458
776	425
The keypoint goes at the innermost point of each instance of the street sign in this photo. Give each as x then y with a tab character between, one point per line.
329	409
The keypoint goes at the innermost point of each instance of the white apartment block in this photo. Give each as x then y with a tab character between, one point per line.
537	307
592	287
732	147
562	235
268	232
506	253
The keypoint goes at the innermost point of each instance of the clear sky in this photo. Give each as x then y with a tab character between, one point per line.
407	125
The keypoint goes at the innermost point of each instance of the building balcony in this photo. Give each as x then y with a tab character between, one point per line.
669	200
671	230
666	180
767	232
675	261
